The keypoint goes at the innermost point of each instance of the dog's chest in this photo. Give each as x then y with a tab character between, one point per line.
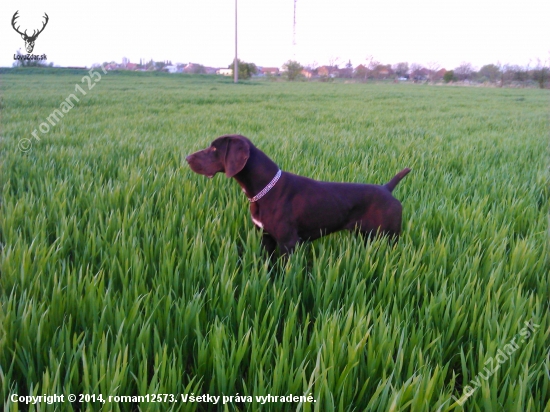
257	222
255	214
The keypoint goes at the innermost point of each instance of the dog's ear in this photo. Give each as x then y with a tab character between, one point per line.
237	152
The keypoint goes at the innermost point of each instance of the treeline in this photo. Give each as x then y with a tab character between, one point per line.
537	75
502	75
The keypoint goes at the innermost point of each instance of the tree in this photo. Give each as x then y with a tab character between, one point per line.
371	66
489	72
417	72
517	73
292	70
333	61
541	74
433	68
449	76
464	71
502	71
332	65
312	66
401	69
360	72
159	65
246	70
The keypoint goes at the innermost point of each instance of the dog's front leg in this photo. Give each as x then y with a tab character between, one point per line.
287	244
269	244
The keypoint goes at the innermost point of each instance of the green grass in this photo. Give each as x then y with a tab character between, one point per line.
124	273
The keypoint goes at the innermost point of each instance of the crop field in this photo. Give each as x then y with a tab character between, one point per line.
126	276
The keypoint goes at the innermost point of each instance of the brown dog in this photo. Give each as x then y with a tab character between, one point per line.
291	208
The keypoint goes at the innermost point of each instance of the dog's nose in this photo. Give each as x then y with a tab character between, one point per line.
187	158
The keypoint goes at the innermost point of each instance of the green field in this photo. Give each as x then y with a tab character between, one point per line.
123	273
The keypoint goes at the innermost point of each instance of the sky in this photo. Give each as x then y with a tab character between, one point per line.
443	32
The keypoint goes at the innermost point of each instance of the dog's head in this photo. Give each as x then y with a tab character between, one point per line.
226	154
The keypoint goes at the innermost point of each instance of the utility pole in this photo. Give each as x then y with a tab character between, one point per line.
236	63
294	32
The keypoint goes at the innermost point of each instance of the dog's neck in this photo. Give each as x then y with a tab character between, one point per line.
257	173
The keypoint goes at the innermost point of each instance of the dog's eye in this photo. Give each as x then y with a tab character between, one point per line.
213	149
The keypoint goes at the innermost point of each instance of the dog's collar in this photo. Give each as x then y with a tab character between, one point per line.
267	188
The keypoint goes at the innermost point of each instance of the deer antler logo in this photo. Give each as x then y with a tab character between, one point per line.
29	40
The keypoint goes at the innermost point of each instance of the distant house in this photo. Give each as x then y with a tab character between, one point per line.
225	72
172	69
439	74
323	71
420	75
307	73
272	71
210	70
345	73
131	66
383	72
327	71
193	68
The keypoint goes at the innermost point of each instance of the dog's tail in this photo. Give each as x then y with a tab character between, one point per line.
396	179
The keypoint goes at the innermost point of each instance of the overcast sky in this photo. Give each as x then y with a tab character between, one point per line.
80	33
